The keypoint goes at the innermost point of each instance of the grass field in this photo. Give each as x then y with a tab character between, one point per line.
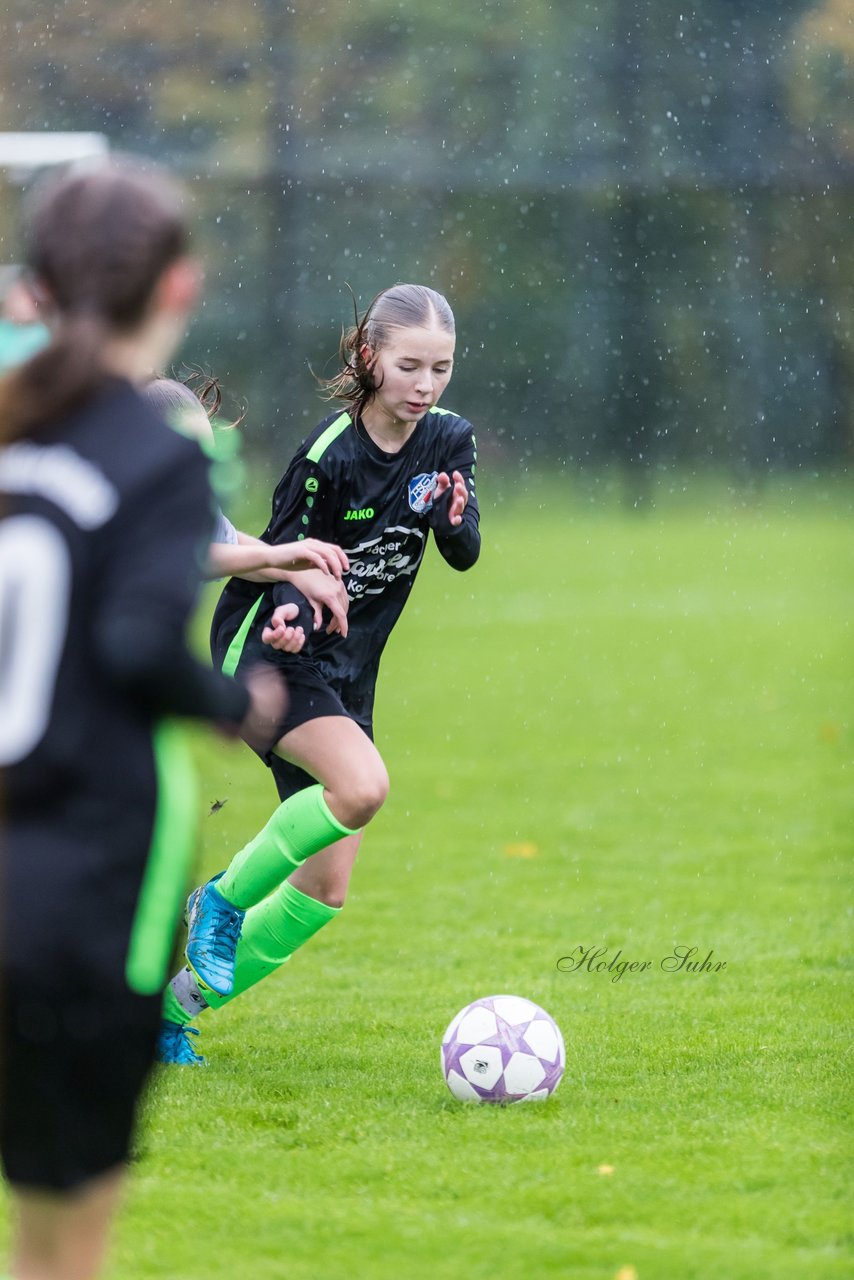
623	731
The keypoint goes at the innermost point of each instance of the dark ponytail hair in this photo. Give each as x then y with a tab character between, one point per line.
98	241
403	306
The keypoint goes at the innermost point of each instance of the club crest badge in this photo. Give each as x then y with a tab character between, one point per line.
421	490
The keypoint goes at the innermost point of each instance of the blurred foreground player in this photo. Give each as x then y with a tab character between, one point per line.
104	513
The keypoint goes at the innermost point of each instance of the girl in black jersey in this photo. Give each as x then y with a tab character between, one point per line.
103	513
375	478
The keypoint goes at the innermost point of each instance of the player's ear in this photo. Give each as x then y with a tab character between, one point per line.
178	289
368	355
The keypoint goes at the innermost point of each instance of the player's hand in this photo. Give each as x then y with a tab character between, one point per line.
459	498
279	634
310	553
268	702
322	591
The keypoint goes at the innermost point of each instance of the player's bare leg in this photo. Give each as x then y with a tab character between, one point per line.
326	875
352	785
63	1237
340	755
352	781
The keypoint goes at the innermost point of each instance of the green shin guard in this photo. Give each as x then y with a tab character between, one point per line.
302	825
271	933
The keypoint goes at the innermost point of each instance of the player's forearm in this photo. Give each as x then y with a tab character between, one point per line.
460	546
287	593
230	560
148	662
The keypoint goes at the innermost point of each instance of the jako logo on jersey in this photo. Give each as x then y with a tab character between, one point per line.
311	484
421	490
366	513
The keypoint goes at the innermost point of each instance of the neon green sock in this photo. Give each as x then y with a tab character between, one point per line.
301	826
172	1009
271	933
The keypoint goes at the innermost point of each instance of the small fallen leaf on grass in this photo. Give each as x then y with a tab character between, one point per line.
524	849
606	1170
626	1273
830	732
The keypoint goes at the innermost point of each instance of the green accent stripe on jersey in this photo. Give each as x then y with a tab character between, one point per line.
164	882
331	433
436	409
235	649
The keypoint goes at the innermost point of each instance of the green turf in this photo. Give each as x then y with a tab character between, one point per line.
621	730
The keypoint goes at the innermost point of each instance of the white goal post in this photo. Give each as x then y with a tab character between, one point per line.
35	150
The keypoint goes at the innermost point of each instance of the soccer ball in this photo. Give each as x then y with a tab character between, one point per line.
502	1049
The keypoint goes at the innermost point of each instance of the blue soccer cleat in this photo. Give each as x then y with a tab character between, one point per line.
213	930
173	1045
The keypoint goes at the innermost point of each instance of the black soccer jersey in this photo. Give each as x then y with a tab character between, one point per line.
103	519
342	487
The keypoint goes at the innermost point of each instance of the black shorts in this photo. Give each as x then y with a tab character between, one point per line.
72	1068
309	698
307	701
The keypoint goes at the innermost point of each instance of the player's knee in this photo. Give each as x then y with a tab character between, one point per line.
366	795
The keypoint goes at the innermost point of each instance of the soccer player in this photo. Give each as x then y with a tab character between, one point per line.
104	513
316	567
376	478
21	330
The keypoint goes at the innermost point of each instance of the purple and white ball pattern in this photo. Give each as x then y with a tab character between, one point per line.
502	1049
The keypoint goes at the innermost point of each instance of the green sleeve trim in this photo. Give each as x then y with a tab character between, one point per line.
235	649
331	434
167	870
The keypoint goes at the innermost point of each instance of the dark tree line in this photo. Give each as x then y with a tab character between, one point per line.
640	211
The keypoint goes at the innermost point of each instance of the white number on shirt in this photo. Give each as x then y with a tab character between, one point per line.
35	587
